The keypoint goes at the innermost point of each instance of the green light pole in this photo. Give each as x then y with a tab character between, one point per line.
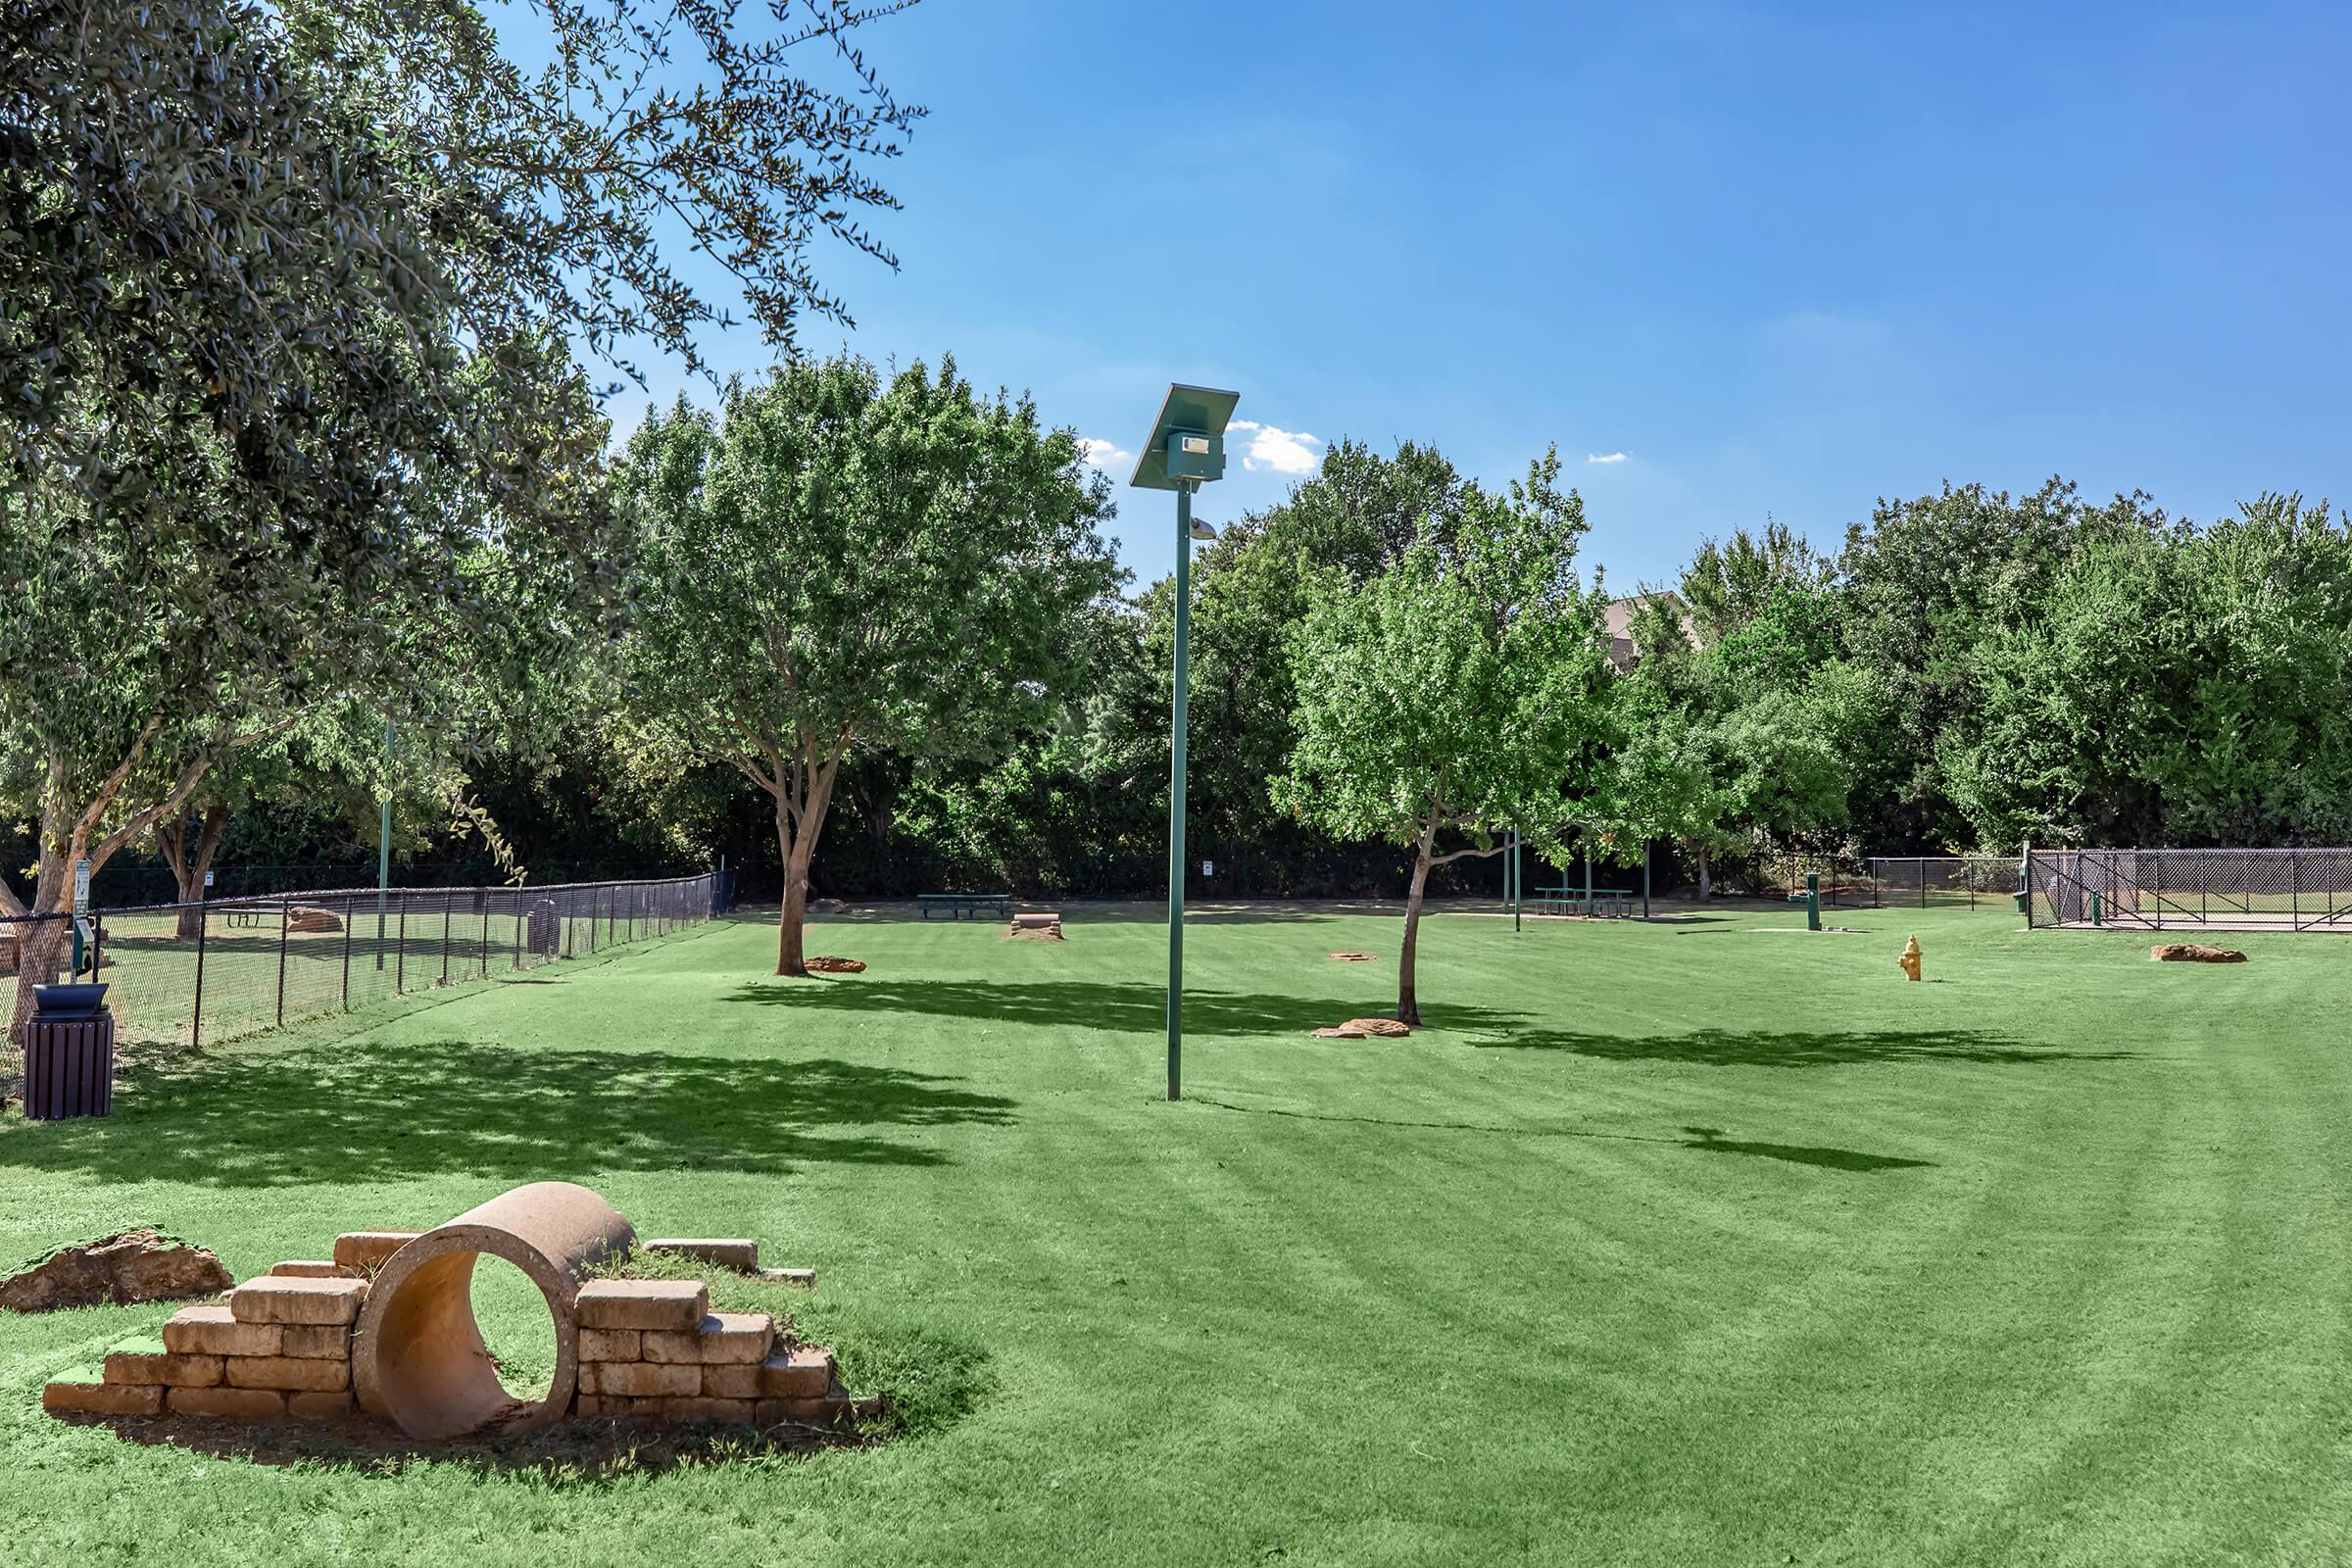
383	847
1185	451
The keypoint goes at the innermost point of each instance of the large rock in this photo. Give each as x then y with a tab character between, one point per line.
1365	1029
2193	953
310	918
141	1265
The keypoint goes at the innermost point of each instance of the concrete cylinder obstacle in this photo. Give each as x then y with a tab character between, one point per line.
419	1360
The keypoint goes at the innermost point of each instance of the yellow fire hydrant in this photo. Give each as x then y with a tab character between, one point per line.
1909	961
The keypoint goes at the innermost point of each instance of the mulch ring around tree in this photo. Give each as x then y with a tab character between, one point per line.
831	965
2193	953
1365	1029
1351	957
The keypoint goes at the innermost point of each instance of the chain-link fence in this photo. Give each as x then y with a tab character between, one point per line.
1903	881
184	973
2190	890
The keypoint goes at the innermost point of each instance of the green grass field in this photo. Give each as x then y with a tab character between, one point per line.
1701	1243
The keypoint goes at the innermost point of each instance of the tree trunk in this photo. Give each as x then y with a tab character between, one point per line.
41	940
798	841
188	868
1408	1005
1706	879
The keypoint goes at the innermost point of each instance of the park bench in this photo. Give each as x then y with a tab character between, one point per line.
1599	903
960	904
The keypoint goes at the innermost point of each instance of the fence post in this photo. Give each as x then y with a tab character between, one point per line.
2294	893
518	929
196	1022
444	939
400	964
285	919
483	900
348	918
2025	875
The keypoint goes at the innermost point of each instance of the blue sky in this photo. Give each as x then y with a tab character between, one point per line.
1734	260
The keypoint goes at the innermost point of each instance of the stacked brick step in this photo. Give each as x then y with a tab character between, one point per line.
653	1350
278	1348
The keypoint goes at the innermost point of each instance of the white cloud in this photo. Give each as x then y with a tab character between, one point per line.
1103	455
1283	451
1607	456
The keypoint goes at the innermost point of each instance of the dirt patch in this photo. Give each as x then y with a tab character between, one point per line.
1365	1029
828	964
141	1265
2193	953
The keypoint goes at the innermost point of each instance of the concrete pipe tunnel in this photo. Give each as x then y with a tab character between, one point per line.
421	1361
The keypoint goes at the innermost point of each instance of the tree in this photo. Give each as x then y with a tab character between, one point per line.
1460	691
551	195
839	563
255	448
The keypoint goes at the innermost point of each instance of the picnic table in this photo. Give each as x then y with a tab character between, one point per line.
961	905
1598	903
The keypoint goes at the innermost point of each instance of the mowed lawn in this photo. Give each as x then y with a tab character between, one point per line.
1705	1242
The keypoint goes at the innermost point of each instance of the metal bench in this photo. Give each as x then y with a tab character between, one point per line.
961	905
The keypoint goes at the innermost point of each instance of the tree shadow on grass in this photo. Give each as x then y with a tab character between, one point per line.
1704	1140
1768	1047
1710	1141
358	1109
1138	1008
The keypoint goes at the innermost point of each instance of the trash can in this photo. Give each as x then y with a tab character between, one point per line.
543	930
2022	896
68	1054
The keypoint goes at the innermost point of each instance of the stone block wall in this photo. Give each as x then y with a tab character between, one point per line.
279	1348
652	1350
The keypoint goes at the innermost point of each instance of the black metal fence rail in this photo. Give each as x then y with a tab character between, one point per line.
1906	881
2193	890
184	973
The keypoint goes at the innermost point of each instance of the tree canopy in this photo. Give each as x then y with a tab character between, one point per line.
840	563
1457	693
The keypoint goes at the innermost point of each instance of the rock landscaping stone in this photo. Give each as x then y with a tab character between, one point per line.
275	1299
723	1336
227	1403
286	1372
642	1304
148	1361
800	1278
612	1345
369	1251
319	1406
304	917
805	1372
128	1267
211	1330
1365	1029
641	1380
315	1342
309	1268
78	1397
